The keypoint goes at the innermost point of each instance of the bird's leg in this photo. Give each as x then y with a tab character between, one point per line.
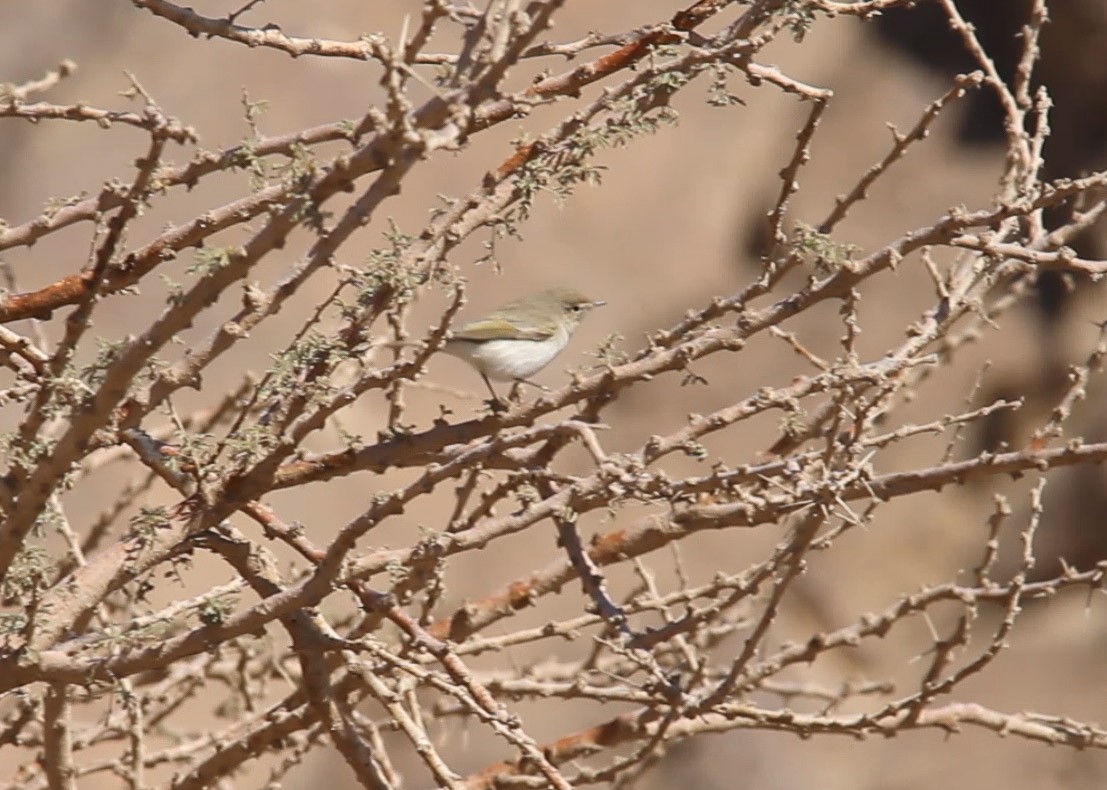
495	404
534	384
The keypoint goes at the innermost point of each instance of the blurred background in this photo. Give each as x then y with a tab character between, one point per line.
677	220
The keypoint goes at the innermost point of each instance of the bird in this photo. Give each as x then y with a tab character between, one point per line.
519	338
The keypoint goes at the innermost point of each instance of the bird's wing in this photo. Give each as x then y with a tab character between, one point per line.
494	328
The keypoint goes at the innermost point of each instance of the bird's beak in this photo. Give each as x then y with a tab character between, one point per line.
599	303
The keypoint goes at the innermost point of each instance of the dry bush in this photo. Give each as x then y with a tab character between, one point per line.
331	636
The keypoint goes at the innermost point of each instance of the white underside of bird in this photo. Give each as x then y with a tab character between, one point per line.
509	360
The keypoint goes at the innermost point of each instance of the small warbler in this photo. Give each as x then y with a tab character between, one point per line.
518	339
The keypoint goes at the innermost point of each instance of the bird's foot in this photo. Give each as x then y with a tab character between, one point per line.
535	384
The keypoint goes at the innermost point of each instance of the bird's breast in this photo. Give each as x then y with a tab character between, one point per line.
506	360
